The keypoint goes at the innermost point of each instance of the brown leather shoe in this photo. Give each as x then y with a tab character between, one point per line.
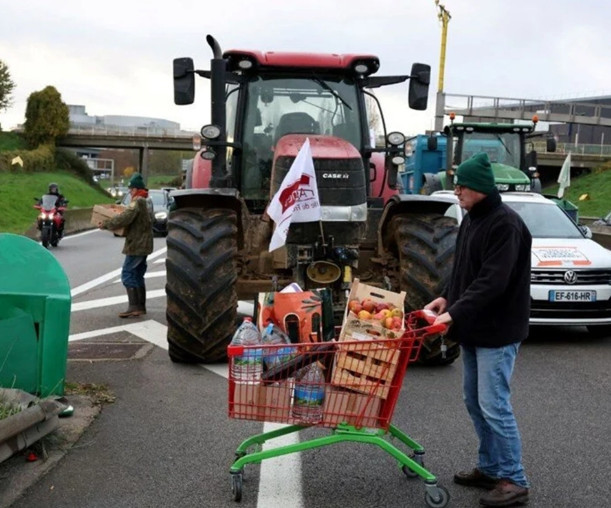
506	493
475	478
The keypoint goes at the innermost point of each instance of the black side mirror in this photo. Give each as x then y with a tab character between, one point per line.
420	79
550	144
531	159
184	81
431	143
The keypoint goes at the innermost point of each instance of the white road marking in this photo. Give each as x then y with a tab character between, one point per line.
280	477
148	275
112	300
111	275
69	237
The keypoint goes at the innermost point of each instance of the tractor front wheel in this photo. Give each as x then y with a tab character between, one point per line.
426	245
201	276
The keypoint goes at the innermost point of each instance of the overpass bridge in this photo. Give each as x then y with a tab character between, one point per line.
134	138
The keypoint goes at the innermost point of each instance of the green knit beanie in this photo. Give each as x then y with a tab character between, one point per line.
476	173
136	182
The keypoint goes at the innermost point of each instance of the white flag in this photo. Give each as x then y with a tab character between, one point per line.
564	178
297	199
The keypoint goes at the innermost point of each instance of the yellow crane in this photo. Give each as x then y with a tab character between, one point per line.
444	16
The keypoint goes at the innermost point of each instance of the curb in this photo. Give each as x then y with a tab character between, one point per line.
18	475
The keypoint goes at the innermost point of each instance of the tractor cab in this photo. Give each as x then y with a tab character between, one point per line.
505	145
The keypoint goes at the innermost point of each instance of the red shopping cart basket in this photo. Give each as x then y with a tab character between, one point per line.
347	385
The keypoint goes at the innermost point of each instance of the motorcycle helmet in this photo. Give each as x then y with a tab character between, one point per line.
53	188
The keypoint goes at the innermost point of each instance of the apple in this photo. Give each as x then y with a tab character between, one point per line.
396	312
381	306
388	323
365	315
355	306
368	305
380	316
397	323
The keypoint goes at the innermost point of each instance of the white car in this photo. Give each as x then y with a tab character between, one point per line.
570	274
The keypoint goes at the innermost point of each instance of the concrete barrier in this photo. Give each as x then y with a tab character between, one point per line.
77	219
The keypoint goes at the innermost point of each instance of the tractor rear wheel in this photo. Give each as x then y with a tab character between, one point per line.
201	276
426	245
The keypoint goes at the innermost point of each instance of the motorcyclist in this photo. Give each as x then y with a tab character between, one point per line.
54	190
60	201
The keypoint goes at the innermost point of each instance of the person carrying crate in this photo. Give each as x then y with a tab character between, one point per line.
487	304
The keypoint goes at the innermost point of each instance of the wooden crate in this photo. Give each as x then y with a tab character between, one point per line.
354	328
367	367
103	212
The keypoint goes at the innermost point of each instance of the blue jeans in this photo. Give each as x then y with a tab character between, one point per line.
486	392
132	274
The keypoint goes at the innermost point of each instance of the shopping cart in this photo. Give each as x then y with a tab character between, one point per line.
361	381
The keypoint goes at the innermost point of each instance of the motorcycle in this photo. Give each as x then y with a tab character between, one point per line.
51	220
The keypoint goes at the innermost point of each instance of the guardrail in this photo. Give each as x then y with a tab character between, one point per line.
582	149
117	130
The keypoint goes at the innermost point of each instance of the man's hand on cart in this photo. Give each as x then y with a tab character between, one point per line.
437	307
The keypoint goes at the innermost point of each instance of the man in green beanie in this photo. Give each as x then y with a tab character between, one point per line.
138	227
486	306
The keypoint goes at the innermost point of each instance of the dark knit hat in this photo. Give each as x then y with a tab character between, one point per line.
476	173
136	182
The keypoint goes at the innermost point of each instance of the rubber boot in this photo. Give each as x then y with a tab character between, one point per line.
142	299
133	310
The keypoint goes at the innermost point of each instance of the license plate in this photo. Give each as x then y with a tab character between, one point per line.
572	296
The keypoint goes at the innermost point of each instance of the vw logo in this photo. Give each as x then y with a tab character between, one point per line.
570	277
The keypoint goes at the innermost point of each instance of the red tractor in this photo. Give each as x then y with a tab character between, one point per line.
264	106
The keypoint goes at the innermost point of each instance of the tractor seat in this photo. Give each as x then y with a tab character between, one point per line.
296	123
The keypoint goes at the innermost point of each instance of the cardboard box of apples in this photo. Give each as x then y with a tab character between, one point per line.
373	313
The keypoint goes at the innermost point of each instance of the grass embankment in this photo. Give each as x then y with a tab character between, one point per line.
597	185
18	190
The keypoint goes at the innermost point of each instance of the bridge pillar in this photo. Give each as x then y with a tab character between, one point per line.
440	104
143	162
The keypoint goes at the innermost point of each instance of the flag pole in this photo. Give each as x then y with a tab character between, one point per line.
322	233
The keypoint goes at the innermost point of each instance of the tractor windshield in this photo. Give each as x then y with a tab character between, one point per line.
502	148
279	106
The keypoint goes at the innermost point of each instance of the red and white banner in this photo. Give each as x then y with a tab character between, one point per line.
297	199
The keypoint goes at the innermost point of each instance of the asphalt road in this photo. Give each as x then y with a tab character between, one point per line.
167	440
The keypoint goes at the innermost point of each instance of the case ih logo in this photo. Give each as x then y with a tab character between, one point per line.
570	277
336	176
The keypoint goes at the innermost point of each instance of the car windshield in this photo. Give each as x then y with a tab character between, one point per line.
157	197
546	220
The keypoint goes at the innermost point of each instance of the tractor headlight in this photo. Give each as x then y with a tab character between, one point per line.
523	188
210	131
161	215
395	138
502	186
208	155
397	160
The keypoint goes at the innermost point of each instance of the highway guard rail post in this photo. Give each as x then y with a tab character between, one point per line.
34	317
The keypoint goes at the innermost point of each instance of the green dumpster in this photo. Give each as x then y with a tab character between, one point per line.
34	317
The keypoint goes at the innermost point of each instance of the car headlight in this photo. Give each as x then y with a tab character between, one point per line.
161	215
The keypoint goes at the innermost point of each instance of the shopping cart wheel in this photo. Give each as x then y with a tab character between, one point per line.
436	497
418	458
236	486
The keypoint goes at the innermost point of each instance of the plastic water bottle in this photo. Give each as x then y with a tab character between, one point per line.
309	393
273	334
249	366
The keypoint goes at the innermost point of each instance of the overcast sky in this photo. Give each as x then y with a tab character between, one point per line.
115	57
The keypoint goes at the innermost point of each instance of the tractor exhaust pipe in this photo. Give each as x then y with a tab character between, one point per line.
218	67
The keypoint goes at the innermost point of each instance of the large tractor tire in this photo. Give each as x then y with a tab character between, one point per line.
201	276
426	244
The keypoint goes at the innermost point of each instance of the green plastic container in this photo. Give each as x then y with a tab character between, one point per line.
34	317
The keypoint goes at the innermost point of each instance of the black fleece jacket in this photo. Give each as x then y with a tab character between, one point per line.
489	291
